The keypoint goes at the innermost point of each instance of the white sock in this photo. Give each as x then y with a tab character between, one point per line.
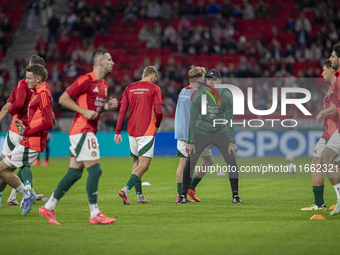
94	210
13	195
51	203
23	191
337	190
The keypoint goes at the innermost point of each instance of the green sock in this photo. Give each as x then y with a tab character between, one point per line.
19	174
72	175
27	176
179	189
1	194
138	187
194	182
92	183
318	195
132	181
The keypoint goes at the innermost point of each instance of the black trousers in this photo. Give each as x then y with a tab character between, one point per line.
221	142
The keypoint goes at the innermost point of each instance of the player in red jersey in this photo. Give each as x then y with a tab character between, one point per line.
332	149
330	126
90	92
17	106
34	132
144	98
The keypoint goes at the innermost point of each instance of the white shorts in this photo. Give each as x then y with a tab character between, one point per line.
181	150
142	146
334	144
11	140
84	147
21	156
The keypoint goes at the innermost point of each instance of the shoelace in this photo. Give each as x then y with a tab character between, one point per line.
101	215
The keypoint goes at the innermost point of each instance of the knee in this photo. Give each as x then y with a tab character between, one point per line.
95	171
75	174
210	161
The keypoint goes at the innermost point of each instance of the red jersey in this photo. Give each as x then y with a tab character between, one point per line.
91	94
330	121
20	98
142	97
335	96
39	118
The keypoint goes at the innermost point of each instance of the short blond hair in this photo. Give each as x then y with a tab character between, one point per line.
150	70
196	72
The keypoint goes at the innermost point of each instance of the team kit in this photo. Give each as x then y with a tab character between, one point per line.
195	133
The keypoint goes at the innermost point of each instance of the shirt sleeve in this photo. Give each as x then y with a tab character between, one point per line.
45	105
195	109
11	98
78	87
157	96
21	95
124	104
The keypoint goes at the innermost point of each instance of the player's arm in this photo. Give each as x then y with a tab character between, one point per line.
66	101
45	105
124	104
229	116
21	95
111	104
158	107
328	111
4	111
195	110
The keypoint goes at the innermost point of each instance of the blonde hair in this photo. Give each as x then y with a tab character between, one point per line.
150	70
196	72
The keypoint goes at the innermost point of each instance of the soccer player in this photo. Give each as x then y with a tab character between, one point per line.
34	132
196	78
143	97
332	149
17	106
90	91
46	162
203	132
330	127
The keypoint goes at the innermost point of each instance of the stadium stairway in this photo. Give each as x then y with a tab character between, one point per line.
25	40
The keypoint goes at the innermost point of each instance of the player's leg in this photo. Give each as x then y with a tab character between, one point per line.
221	141
138	185
201	142
317	178
327	158
179	175
143	147
208	160
18	157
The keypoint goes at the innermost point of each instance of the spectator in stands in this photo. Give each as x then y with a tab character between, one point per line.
20	66
220	21
190	9
157	28
290	24
55	74
41	47
238	12
144	33
3	43
7	28
64	46
289	51
302	37
78	55
262	9
318	20
302	53
5	73
315	52
184	23
154	10
170	34
302	22
131	11
153	41
248	10
216	32
32	10
88	53
100	26
87	30
53	26
166	10
213	8
201	11
120	7
71	69
108	7
157	63
227	9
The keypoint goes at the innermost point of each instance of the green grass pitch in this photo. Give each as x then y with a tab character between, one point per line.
268	222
